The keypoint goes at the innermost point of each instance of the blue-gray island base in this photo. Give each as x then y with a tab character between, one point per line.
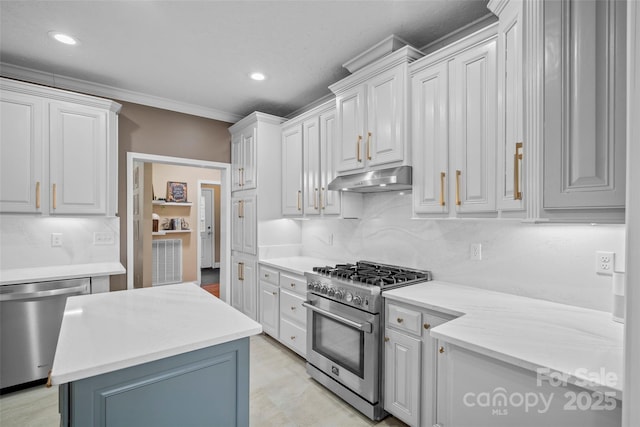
205	387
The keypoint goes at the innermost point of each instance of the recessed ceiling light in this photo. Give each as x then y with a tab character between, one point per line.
63	38
257	76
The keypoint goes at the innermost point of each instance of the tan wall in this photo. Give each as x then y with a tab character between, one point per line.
151	130
163	173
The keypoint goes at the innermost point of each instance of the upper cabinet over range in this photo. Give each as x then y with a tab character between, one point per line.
59	151
372	109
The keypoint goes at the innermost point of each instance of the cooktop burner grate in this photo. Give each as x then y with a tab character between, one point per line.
373	274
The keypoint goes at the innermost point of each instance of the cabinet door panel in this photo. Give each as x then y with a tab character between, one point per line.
430	140
292	171
311	167
236	284
330	199
236	225
269	308
78	149
249	141
249	289
236	162
510	92
585	105
21	152
249	226
350	143
386	110
473	75
402	376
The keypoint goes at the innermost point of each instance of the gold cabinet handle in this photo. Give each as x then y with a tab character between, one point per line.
517	157
293	308
322	199
369	145
458	173
241	271
426	326
38	195
241	172
299	200
442	176
293	337
49	379
316	198
441	349
358	158
400	319
274	293
266	275
55	196
240	208
386	339
293	285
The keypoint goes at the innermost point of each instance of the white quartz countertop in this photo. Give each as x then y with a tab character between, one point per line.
585	345
106	332
59	272
297	264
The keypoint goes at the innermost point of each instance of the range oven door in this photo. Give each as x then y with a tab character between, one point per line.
344	343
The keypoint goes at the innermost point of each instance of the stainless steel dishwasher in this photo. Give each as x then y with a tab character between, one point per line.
31	315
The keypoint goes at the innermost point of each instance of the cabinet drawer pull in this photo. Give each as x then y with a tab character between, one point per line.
299	202
322	198
55	196
441	349
442	176
266	275
316	198
293	285
293	337
274	293
38	195
293	308
458	173
426	326
517	157
358	158
386	339
400	320
369	146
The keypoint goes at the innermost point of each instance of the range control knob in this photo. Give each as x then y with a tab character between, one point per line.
310	285
317	286
338	295
331	292
357	300
324	289
348	297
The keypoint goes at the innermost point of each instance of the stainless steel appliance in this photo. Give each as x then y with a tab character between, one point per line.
345	327
31	315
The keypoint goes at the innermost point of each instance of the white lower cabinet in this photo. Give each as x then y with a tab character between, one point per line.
476	390
410	363
243	285
282	314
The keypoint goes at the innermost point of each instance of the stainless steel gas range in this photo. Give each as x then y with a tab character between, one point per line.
345	327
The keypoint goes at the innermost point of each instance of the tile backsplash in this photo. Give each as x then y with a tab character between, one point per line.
25	241
553	262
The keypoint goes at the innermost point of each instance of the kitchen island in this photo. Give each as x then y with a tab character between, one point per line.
162	356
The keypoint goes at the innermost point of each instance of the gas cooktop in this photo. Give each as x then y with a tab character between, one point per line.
374	274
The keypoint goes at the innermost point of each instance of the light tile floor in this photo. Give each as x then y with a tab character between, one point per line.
282	394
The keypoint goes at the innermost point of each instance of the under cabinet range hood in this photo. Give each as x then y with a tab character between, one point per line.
392	179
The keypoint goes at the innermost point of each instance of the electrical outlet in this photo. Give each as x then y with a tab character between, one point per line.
56	239
605	262
103	238
476	251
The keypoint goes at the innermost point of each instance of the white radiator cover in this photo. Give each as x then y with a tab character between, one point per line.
167	262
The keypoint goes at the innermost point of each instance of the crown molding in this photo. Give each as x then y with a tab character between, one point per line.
105	91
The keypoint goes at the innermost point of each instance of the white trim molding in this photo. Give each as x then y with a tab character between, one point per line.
97	89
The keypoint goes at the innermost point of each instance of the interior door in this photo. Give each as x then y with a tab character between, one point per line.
206	228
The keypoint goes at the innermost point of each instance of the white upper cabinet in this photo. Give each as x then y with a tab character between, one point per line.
510	132
472	76
454	128
243	158
77	150
584	105
21	152
59	151
372	114
292	170
309	160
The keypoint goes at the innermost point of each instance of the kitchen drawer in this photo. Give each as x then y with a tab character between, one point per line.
404	319
293	336
269	275
293	283
291	307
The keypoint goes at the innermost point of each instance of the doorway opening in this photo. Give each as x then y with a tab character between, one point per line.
209	226
179	225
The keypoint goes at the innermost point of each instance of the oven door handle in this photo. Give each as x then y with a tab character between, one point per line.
364	327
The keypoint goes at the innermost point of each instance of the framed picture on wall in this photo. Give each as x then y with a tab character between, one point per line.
176	191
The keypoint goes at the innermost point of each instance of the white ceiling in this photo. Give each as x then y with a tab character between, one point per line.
200	52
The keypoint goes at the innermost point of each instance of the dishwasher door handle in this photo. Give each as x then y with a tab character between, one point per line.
84	288
364	327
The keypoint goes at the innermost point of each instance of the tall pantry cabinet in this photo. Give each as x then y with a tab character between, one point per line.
255	198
